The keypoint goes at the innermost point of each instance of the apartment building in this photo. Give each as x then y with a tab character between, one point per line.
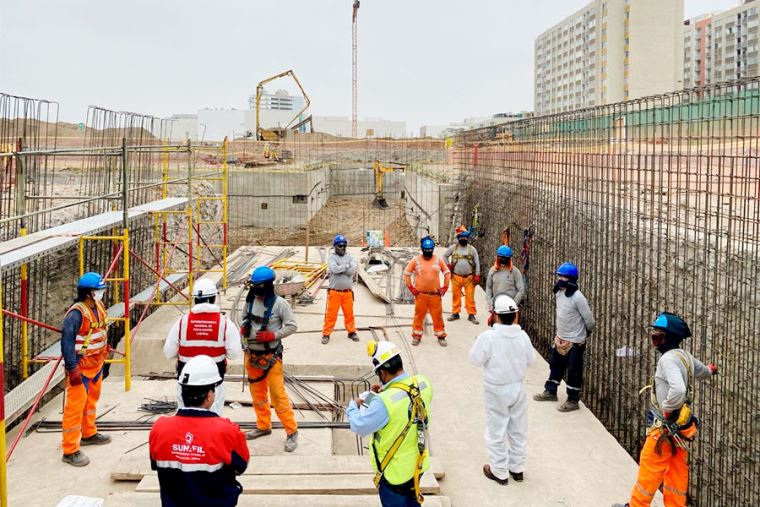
607	52
722	46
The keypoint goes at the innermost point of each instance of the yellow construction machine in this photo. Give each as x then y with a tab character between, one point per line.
380	170
276	134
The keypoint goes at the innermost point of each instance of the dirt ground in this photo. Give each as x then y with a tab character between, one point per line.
350	217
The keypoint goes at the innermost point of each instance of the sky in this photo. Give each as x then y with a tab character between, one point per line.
426	62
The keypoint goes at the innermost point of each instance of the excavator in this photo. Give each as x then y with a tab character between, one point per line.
276	134
380	170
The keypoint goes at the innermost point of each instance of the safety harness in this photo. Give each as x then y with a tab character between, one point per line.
263	360
417	416
456	257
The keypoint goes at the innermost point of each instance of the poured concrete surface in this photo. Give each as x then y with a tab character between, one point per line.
572	460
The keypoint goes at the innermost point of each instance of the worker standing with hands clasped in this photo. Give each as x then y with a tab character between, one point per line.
505	353
197	453
504	278
574	324
423	279
463	262
664	458
267	320
84	346
204	331
340	292
396	414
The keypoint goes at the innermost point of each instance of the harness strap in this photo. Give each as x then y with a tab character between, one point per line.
264	362
455	257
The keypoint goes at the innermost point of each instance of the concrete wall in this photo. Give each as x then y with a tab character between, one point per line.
360	183
429	206
276	199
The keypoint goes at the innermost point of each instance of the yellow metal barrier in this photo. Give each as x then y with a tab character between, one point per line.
3	469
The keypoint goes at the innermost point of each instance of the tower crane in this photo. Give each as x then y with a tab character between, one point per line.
353	69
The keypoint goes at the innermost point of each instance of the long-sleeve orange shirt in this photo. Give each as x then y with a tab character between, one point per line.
427	273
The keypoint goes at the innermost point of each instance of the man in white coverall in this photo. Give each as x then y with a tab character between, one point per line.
505	353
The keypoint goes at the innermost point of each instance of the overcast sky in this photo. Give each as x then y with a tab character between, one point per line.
422	61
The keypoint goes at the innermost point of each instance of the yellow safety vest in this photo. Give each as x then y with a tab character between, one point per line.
397	402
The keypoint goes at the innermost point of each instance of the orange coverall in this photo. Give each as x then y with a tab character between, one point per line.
427	280
339	300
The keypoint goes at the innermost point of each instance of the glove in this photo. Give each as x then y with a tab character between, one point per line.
451	267
265	336
443	290
476	279
245	331
713	368
375	388
413	290
75	376
106	370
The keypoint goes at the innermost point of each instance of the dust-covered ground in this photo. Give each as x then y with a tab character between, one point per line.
350	217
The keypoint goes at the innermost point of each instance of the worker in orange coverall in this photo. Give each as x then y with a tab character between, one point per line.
84	346
672	425
340	294
427	291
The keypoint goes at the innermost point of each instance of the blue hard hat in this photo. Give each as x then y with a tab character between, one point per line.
427	243
340	238
262	274
504	251
568	269
91	281
672	324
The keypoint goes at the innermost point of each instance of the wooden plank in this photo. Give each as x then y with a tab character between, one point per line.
131	499
134	466
354	484
371	284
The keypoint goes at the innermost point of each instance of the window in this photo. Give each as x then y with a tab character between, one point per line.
299	199
264	205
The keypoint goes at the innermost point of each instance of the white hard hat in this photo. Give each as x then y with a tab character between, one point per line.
382	352
204	288
504	304
200	371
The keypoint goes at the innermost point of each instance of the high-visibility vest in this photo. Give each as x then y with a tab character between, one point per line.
92	336
202	334
397	403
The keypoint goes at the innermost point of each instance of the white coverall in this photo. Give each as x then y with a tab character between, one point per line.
505	353
232	345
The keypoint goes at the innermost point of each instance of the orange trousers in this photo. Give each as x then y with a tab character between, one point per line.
423	304
272	385
669	468
79	411
337	300
457	283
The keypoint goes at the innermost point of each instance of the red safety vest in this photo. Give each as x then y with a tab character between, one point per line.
202	334
92	336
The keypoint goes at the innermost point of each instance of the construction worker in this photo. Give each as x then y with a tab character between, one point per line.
427	291
463	262
204	331
84	346
505	353
197	453
340	292
269	318
574	325
396	414
664	458
504	278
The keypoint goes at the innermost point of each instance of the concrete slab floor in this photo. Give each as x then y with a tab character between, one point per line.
572	460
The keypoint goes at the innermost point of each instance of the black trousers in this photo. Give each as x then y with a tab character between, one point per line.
572	364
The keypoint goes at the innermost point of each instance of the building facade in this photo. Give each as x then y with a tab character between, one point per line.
607	52
722	46
277	101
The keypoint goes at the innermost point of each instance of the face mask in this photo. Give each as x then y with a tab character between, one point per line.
428	254
340	250
98	294
463	242
259	290
504	261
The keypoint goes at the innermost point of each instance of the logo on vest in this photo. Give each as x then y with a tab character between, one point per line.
189	437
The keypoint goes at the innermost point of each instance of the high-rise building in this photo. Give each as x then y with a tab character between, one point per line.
277	101
722	46
607	52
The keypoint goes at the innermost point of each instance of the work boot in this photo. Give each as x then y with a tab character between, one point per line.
415	341
96	439
453	316
291	442
487	472
545	396
254	434
77	459
473	319
325	339
442	342
353	337
568	406
517	476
